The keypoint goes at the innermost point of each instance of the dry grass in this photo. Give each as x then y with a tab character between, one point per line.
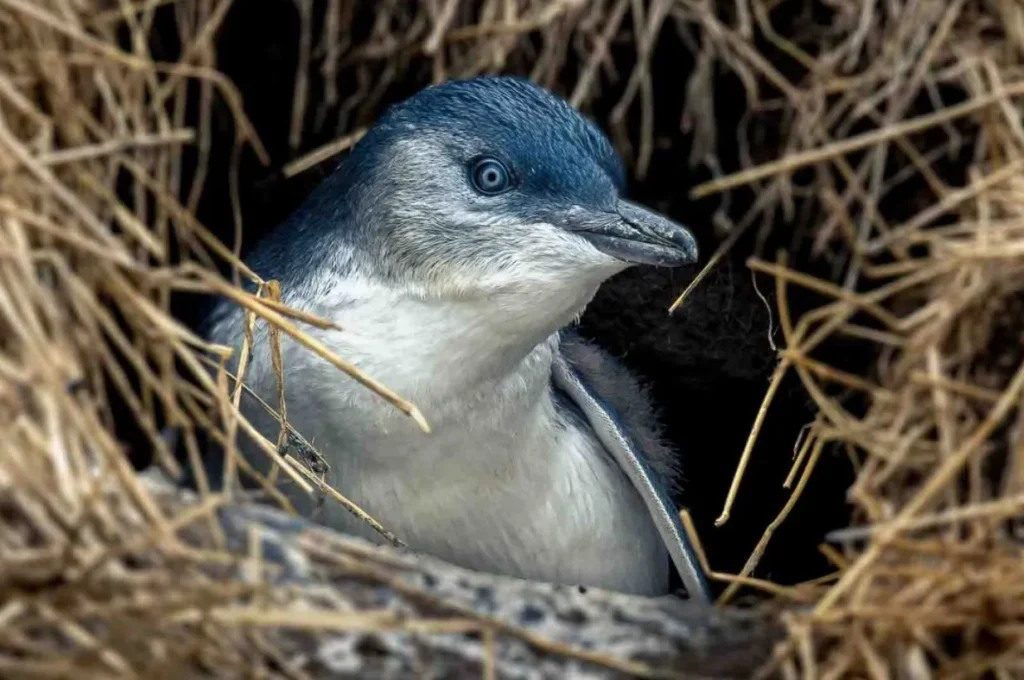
934	563
927	581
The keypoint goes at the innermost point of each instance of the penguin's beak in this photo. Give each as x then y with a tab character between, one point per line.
636	235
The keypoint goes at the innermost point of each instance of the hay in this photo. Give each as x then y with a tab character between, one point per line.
915	200
931	577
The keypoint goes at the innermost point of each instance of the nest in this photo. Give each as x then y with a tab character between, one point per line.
886	136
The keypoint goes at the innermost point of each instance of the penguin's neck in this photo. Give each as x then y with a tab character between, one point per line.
441	351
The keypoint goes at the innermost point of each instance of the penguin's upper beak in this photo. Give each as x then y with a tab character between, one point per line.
635	234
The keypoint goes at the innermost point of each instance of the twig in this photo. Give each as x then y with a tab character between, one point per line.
321	154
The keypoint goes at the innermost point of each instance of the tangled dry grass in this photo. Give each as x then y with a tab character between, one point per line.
901	156
934	563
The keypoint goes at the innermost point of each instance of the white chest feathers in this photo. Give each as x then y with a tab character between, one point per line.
506	482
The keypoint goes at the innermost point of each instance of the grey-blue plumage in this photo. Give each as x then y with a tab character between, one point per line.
455	246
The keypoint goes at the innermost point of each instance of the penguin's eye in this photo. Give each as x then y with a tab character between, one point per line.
490	177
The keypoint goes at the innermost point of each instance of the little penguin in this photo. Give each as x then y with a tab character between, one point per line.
455	247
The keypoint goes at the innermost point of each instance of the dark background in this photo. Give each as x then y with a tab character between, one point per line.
708	365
